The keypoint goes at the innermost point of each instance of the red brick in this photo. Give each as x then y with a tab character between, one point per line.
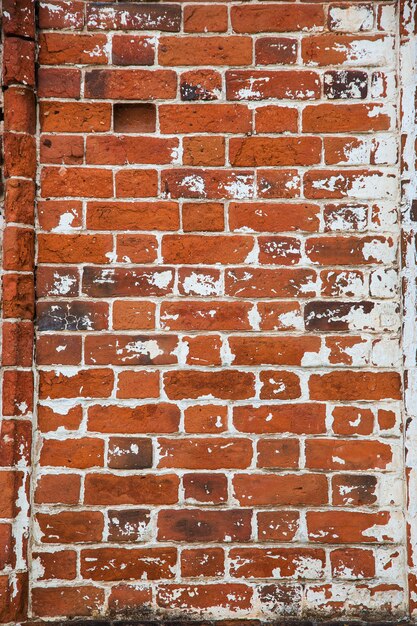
15	442
267	283
17	343
119	282
10	481
126	16
136	182
279	183
122	150
18	296
352	563
209	250
67	601
292	418
202	562
119	564
19	200
138	385
74	248
52	213
62	15
19	110
75	117
60	48
202	216
49	420
349	250
132	50
19	18
203	350
342	118
66	149
275	51
134	118
205	488
18	61
204	151
204	118
61	565
224	385
131	349
130	84
276	17
205	418
274	489
231	596
271	350
347	526
213	315
17	392
96	383
199	526
255	151
355	386
264	562
338	49
128	315
205	18
160	418
58	489
211	184
273	216
58	350
128	525
350	420
59	83
76	181
279	385
267	84
211	51
277	526
129	453
19	155
125	596
75	453
347	455
336	184
137	489
354	490
71	527
132	215
276	119
278	453
201	84
212	453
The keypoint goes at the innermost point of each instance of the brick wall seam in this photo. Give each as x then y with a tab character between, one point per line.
18	81
408	59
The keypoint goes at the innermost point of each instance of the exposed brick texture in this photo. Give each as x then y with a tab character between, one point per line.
210	360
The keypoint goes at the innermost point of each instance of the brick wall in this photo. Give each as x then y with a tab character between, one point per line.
218	423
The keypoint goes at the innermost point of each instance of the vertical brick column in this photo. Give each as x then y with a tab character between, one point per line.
408	92
17	268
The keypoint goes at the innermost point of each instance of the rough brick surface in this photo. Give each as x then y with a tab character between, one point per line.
217	403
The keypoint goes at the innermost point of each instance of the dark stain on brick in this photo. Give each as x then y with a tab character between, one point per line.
128	525
333	315
345	85
71	316
130	453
